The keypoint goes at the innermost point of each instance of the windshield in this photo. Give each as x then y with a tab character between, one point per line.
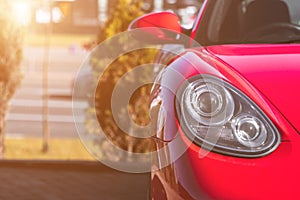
250	21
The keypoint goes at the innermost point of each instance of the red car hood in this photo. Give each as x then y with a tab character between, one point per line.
273	69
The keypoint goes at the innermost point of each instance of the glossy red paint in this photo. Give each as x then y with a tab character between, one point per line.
200	61
269	74
270	177
153	26
167	20
271	69
217	175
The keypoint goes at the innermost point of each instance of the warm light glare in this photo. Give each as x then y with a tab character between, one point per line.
43	15
57	15
21	13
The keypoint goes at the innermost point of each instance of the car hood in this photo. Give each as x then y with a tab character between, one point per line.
273	69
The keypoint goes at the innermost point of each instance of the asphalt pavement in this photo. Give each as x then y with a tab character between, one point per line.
69	180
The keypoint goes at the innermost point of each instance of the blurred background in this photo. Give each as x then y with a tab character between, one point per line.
43	44
57	36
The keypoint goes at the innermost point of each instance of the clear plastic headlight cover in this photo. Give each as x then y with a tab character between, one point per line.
217	116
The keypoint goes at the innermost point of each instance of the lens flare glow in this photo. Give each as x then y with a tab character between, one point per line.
21	13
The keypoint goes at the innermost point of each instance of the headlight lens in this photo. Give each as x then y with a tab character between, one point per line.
209	103
249	130
218	116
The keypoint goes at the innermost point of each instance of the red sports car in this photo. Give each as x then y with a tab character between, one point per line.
230	108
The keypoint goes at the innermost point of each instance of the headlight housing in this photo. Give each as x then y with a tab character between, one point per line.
219	117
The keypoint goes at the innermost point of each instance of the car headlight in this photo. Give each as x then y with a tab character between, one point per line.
216	115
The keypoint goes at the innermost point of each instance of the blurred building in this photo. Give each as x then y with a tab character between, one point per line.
66	16
74	16
86	16
187	10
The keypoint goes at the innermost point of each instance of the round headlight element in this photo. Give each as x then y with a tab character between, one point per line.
219	117
249	131
208	103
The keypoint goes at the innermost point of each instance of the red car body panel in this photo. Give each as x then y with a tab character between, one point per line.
271	177
224	177
269	75
272	69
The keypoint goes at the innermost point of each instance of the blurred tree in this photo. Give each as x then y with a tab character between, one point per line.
10	59
122	14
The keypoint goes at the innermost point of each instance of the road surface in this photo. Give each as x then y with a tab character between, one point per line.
69	180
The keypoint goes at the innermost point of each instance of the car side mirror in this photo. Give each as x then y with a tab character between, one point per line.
161	27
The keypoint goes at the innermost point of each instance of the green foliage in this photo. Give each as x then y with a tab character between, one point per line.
124	12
